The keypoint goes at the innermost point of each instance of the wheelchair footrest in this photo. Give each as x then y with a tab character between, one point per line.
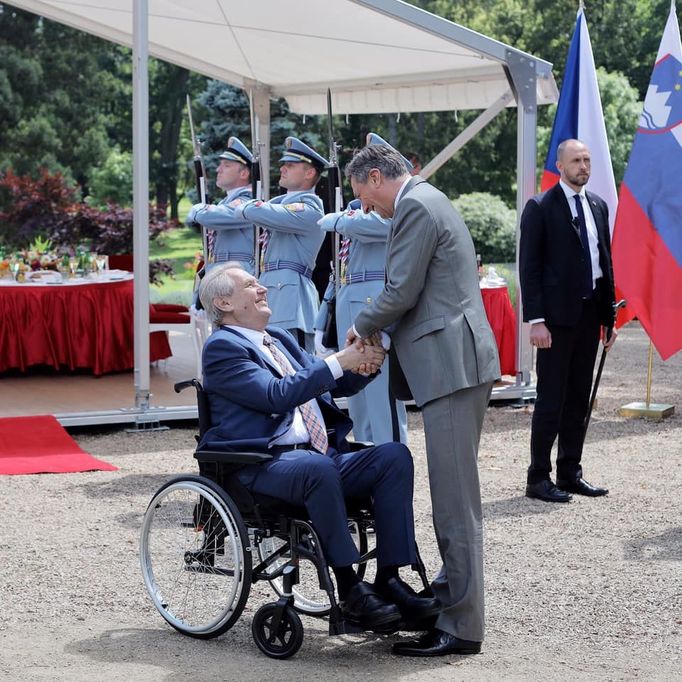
344	627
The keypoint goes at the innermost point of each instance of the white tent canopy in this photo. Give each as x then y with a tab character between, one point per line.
375	55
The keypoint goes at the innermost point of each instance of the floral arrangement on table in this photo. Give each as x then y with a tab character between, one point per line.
38	256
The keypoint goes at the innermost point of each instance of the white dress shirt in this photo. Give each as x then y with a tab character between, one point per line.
297	433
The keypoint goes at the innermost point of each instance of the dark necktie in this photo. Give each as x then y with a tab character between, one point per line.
582	224
316	428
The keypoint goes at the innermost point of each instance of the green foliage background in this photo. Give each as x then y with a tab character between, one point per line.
65	102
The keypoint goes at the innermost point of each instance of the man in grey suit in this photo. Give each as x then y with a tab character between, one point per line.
444	345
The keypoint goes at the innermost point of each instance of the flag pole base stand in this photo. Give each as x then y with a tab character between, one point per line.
656	411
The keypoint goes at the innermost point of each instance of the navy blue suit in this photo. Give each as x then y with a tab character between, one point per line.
252	405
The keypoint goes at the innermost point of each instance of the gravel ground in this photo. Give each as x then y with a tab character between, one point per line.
589	590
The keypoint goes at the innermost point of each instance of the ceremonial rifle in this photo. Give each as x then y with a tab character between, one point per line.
256	183
330	338
200	176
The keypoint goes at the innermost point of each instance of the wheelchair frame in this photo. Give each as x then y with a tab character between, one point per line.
197	543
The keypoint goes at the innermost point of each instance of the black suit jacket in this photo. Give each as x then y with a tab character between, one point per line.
552	261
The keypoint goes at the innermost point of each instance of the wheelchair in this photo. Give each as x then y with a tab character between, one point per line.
206	539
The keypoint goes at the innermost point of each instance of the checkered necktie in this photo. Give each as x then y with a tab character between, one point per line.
316	428
344	251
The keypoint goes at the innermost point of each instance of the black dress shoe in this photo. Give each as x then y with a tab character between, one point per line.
582	487
547	492
364	607
412	606
437	643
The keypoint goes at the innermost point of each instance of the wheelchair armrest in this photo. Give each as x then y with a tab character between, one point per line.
182	385
223	457
356	445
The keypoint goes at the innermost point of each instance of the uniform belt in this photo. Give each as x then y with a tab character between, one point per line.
365	276
288	265
233	255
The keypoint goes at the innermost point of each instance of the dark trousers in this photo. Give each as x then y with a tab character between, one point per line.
564	379
321	482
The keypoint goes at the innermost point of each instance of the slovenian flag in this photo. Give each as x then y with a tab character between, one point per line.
579	116
647	240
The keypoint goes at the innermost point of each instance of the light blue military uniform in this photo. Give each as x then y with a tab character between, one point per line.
292	243
376	415
234	236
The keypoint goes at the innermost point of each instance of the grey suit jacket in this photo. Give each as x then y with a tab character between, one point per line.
441	334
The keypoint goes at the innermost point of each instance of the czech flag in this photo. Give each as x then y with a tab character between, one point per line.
647	240
579	116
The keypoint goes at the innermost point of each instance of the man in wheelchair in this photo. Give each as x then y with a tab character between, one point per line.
267	394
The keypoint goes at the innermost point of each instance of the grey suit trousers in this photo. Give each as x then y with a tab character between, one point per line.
452	425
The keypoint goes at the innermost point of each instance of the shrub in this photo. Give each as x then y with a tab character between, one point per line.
492	225
112	182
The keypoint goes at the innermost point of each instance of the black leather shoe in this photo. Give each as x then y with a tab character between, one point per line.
412	606
582	487
547	492
437	643
364	607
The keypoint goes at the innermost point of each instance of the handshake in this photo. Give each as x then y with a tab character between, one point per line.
362	356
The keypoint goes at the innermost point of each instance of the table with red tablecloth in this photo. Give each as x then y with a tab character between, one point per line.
502	320
71	326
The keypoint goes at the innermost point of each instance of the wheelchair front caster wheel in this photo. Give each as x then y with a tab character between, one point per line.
278	632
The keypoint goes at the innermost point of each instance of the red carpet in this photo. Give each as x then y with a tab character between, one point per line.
40	445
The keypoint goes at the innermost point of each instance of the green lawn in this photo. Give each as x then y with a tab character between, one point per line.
179	246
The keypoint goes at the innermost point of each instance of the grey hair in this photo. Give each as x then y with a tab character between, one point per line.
389	162
216	283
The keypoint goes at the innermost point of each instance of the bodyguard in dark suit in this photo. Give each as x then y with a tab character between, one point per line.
267	394
568	295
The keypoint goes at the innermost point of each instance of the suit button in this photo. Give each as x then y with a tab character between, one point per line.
369	299
279	285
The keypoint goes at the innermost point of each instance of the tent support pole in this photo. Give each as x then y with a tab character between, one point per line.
480	122
141	201
522	74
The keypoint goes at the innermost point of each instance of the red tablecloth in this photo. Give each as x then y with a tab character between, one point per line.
502	319
71	327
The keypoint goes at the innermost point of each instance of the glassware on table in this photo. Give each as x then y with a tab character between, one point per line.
73	266
102	263
14	267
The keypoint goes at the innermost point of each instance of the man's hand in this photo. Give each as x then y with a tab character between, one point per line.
361	358
191	216
608	340
540	336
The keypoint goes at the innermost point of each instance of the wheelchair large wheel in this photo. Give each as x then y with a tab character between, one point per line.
277	637
309	598
195	557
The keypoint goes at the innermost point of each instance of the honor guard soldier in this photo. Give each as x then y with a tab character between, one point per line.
229	236
377	416
290	241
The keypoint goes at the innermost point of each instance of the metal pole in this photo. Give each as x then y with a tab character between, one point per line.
141	200
522	75
648	374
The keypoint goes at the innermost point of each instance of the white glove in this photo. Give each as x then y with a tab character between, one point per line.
191	216
320	350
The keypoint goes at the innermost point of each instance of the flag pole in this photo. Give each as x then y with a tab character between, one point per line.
649	410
